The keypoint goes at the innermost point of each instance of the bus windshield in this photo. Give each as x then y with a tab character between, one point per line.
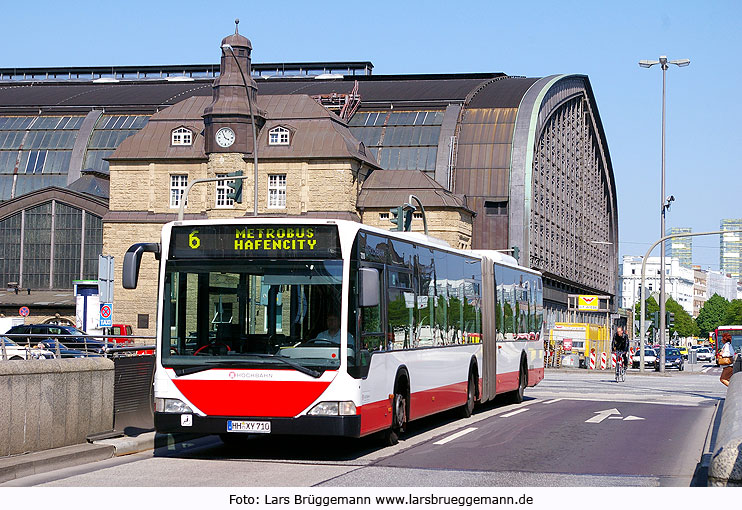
252	313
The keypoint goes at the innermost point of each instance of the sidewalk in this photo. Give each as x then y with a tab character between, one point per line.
19	466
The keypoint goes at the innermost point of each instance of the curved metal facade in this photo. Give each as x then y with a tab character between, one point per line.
563	210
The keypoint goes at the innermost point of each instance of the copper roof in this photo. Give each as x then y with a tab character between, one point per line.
316	132
390	188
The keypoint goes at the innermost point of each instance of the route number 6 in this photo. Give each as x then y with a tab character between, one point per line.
193	241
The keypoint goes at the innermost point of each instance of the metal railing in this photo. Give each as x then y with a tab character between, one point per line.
26	346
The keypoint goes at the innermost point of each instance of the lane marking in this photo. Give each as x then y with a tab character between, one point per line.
632	418
456	435
508	415
552	401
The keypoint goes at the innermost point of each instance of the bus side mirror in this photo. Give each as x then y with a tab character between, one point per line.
132	261
369	291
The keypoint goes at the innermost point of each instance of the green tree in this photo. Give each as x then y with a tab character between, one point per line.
650	306
733	314
711	315
684	323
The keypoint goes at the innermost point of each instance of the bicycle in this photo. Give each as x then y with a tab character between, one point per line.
620	368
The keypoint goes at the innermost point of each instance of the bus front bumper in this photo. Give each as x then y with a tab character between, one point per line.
348	426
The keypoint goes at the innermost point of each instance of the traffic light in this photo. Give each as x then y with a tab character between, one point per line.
656	319
236	186
516	252
670	319
397	218
408	218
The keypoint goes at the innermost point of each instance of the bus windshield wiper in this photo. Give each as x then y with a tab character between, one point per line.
293	364
209	364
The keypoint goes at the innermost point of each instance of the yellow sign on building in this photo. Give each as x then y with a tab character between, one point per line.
588	303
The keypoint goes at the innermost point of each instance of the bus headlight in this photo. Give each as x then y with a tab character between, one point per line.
171	405
333	409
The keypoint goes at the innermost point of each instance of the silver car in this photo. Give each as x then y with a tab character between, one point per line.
650	358
704	354
9	350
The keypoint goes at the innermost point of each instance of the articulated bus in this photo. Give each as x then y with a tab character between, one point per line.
735	331
331	327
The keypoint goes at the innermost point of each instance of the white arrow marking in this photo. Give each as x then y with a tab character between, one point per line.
632	418
602	415
456	435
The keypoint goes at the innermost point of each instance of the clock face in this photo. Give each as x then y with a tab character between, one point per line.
224	137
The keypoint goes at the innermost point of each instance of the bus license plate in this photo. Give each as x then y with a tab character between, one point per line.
252	427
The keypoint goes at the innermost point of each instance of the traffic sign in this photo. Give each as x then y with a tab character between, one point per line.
24	311
106	315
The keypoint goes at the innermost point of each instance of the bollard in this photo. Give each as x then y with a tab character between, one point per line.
603	360
592	359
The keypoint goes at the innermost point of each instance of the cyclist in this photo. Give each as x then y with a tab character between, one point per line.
620	345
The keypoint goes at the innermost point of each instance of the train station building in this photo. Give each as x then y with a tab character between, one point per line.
93	160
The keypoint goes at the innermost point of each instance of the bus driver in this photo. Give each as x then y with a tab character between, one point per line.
332	333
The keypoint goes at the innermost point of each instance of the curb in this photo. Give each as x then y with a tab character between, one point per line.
19	466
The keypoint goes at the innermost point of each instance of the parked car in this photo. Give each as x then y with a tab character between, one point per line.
650	358
704	354
73	338
673	359
50	344
12	351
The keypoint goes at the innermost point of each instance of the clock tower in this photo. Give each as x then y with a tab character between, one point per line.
227	121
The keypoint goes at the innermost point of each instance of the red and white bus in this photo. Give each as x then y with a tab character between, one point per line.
735	331
248	338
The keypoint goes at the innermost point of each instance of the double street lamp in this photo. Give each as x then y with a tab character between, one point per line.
664	200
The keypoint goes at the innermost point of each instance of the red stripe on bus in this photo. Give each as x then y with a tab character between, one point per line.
424	403
251	398
375	416
507	382
535	375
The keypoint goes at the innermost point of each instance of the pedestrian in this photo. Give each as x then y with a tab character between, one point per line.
726	358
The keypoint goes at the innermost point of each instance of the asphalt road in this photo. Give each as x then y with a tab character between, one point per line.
576	428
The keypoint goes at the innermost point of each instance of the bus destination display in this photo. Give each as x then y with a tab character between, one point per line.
255	241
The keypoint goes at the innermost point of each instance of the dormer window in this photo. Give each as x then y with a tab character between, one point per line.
278	136
182	136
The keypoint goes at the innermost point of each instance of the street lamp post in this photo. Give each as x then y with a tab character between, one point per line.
664	202
254	128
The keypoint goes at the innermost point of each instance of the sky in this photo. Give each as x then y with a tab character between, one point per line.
603	40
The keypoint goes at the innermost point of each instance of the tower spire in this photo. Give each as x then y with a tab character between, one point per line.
236	26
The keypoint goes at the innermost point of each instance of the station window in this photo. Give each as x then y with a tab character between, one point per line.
277	191
182	136
278	136
178	185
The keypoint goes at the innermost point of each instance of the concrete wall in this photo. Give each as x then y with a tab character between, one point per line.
52	403
725	468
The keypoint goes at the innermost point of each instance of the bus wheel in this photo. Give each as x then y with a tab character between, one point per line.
399	419
471	391
517	395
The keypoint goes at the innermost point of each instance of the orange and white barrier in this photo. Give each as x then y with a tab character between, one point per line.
592	359
613	360
603	360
